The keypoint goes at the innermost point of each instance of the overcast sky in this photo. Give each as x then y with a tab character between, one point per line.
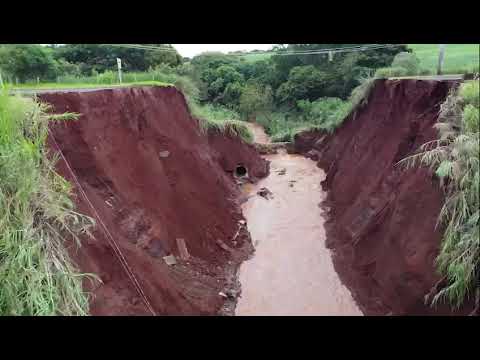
190	50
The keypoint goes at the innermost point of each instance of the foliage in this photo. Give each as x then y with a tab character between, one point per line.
255	99
24	62
325	113
384	73
37	215
359	96
304	82
455	159
220	119
101	58
407	61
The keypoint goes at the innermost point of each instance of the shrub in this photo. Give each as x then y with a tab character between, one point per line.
408	61
359	96
384	73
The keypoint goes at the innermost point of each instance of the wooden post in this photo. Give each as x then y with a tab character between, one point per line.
441	56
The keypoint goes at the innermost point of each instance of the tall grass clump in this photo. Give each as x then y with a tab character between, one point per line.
37	215
217	118
360	95
455	159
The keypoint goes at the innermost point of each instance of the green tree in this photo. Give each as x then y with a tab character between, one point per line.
27	62
255	99
304	82
101	58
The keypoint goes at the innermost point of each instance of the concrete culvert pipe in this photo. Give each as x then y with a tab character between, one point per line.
241	171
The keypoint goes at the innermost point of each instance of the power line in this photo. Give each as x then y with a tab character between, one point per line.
345	49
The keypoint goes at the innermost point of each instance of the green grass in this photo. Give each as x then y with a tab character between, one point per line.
325	114
60	86
459	58
219	119
455	159
37	214
256	57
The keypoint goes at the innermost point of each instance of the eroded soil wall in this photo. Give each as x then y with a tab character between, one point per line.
153	178
382	218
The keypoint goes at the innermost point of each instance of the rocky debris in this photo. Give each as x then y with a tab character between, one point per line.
222	245
272	148
170	260
313	154
265	193
242	222
164	154
282	171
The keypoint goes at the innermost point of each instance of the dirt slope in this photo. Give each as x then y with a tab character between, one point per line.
154	178
381	218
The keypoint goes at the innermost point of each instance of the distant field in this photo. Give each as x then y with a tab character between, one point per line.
256	57
458	57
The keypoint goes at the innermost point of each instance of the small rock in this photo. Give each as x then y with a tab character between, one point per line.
242	222
291	184
264	192
164	154
170	260
282	171
223	294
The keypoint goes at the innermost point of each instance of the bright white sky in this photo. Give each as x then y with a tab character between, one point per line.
190	50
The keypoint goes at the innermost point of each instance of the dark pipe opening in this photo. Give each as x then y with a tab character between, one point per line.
240	171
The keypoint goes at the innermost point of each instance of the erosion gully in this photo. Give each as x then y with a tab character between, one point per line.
291	272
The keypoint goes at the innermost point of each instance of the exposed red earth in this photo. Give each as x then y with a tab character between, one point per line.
381	218
155	179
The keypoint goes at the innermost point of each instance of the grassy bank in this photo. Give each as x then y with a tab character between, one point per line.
37	215
455	159
220	119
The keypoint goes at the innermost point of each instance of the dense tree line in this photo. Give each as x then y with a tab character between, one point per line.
279	82
286	80
27	61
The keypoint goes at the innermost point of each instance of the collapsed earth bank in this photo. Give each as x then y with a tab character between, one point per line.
159	187
381	217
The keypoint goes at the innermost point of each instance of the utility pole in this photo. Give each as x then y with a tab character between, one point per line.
119	65
441	57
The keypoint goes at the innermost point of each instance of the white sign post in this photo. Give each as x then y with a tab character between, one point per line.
1	80
119	65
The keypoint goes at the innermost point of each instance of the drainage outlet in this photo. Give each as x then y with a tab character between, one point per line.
241	171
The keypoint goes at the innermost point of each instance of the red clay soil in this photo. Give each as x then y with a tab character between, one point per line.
154	177
381	217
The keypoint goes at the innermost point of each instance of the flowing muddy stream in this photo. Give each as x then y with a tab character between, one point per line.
292	271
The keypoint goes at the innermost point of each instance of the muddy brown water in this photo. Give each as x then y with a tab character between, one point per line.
291	272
